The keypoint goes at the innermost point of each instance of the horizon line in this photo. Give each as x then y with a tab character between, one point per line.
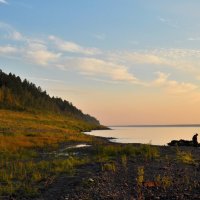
157	125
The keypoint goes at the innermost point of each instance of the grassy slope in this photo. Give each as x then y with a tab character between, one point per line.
22	136
22	130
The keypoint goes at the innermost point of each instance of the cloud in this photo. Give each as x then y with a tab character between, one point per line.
181	59
38	53
194	38
72	47
103	80
93	67
143	58
10	33
109	66
161	19
168	22
3	1
31	49
42	57
175	87
45	79
161	80
16	36
100	36
7	50
172	86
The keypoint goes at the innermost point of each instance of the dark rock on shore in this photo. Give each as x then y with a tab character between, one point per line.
181	142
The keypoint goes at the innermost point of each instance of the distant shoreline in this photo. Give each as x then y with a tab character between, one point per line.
155	126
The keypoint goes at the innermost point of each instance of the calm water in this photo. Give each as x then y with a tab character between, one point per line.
153	135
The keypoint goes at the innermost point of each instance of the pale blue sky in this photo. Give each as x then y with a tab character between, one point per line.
124	61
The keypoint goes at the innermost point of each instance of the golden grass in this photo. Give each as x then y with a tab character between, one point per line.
185	157
22	134
26	130
26	177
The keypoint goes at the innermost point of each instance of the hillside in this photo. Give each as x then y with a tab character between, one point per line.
28	142
20	94
33	126
44	155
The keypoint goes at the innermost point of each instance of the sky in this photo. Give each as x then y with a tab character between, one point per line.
122	61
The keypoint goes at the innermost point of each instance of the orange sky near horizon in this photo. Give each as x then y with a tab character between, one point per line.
124	62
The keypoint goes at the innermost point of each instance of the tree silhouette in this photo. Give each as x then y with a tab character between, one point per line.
24	95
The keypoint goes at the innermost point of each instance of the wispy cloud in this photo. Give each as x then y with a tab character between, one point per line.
39	53
92	66
45	79
10	32
31	49
109	66
172	86
3	1
168	22
72	47
16	36
100	36
98	68
194	38
161	19
181	59
7	50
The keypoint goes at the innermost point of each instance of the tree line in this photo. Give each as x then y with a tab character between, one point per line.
24	95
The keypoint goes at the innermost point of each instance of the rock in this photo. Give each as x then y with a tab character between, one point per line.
180	143
91	180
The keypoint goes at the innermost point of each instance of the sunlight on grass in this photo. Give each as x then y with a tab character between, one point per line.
17	176
22	135
185	157
109	151
24	130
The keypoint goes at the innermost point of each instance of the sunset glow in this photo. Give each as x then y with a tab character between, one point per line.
124	62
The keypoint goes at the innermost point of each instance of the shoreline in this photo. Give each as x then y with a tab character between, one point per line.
163	136
80	166
117	176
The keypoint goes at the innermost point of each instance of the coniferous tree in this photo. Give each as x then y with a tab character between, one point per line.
18	94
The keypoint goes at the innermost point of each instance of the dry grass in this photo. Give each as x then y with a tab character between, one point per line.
26	177
25	130
22	134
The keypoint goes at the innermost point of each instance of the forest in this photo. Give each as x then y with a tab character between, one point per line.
18	94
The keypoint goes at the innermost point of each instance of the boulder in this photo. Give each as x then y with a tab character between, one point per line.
180	143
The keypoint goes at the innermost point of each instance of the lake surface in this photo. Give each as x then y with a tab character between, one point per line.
155	135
